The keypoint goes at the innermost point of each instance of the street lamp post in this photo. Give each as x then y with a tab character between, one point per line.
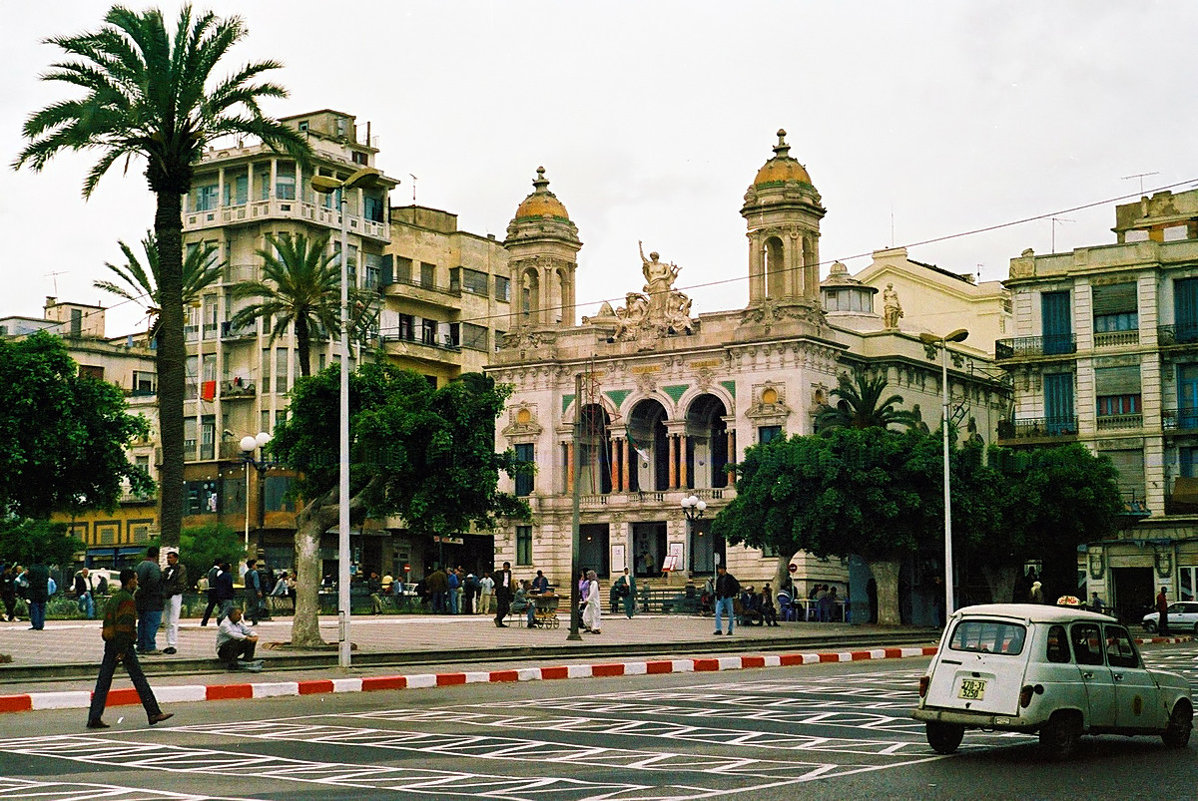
692	509
326	185
248	445
931	339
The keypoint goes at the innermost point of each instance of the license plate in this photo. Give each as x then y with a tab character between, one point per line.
973	689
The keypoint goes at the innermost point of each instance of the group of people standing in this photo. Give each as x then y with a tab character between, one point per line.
33	583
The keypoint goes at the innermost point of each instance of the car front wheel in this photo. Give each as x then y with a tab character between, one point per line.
1149	627
944	737
1181	724
1060	735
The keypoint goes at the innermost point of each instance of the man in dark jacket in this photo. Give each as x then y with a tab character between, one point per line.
224	591
120	629
503	593
213	572
726	590
37	579
149	602
174	582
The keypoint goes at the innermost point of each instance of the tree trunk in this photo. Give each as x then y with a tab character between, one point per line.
886	575
1001	581
170	359
311	523
781	571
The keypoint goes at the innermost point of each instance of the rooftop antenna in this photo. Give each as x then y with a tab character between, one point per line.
413	177
1141	176
1054	221
54	278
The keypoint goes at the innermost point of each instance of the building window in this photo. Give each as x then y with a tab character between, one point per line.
374	270
428	275
503	288
428	331
474	337
768	433
204	197
403	270
1122	321
237	190
202	497
359	157
499	335
275	490
407	327
285	181
1115	405
372	207
524	482
523	545
474	281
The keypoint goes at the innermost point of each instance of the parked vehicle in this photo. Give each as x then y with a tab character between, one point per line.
1182	617
1059	672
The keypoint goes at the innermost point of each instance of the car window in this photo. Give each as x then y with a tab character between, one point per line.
1087	643
1120	650
1056	649
988	636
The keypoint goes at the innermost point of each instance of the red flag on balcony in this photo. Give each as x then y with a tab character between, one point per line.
208	391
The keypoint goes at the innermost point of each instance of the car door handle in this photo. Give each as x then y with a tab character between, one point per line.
1117	676
1087	674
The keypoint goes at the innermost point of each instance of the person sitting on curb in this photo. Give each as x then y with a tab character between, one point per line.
235	642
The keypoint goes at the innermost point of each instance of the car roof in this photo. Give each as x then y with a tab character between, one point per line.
1036	613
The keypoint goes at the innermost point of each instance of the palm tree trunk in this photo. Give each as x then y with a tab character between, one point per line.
886	574
303	345
170	359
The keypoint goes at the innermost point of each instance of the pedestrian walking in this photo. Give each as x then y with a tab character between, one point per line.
212	602
253	591
149	601
36	580
486	589
1162	609
591	609
8	590
121	620
224	591
503	594
726	590
174	582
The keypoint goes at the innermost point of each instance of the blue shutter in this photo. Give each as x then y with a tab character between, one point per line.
1058	403
1185	309
1055	313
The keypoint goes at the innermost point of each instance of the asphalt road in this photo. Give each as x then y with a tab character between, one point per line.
830	731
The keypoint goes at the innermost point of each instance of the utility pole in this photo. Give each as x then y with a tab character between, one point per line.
574	536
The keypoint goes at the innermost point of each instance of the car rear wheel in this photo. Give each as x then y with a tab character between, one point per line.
1181	723
1149	627
944	737
1060	735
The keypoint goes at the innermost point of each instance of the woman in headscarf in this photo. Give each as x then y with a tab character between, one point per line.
590	609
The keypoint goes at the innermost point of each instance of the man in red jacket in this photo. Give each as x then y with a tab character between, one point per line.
120	633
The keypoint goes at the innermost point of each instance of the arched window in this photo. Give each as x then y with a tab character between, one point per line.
774	268
530	297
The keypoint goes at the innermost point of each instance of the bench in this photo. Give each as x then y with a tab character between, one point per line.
667	600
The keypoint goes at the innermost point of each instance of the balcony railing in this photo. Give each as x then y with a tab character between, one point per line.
1031	427
227	331
1115	422
395	335
237	388
1177	334
1179	419
1051	345
1114	339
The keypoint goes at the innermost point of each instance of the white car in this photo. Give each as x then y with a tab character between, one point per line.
1182	617
1057	671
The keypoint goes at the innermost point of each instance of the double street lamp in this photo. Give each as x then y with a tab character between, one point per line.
367	176
942	342
248	445
693	508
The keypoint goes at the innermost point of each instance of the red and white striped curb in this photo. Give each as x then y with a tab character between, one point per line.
79	699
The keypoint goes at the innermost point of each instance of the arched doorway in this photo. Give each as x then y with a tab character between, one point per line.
649	468
707	443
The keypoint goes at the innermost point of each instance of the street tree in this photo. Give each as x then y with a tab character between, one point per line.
200	545
865	491
1034	504
150	93
139	283
424	454
860	404
29	541
62	434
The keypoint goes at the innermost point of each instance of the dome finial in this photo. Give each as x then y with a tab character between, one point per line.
541	182
781	150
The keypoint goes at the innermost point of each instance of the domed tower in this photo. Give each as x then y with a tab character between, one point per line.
782	209
544	246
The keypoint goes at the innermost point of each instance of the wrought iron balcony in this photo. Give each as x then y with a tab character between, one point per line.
1034	427
1179	419
1177	334
1022	347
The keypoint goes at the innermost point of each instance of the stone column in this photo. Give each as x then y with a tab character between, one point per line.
682	471
625	464
731	457
569	467
673	462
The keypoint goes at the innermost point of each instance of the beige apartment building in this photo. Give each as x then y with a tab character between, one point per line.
1105	352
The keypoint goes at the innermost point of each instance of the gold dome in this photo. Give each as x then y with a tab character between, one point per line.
542	202
781	167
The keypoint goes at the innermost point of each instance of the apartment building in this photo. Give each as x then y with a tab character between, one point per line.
1105	352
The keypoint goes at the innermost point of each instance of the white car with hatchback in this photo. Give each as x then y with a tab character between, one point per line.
1059	672
1181	617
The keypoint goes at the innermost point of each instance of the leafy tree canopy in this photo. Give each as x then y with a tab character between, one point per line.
200	545
62	434
425	454
28	541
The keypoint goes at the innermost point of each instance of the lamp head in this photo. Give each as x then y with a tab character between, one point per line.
325	185
248	444
262	438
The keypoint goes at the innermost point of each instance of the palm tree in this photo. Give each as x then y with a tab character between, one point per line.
301	286
140	283
861	405
148	94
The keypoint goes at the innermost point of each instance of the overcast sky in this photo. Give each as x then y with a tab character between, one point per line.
916	120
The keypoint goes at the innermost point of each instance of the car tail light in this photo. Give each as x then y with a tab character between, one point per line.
924	683
1025	694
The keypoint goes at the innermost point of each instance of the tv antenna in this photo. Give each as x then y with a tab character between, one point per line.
1054	221
54	278
1141	176
413	177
